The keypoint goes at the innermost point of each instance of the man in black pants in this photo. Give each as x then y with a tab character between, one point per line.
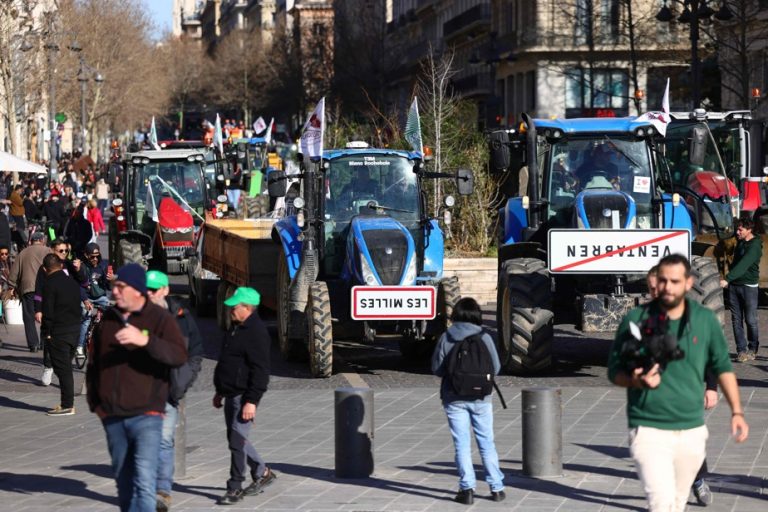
241	378
60	328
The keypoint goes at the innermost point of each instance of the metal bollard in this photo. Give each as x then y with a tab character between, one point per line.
542	432
354	432
180	442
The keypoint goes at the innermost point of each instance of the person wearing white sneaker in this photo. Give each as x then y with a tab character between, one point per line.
60	327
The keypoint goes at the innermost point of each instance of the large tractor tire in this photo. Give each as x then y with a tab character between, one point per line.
448	294
255	207
129	252
292	349
319	330
223	319
525	320
706	288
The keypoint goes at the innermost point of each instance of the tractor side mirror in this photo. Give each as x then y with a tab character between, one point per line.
498	147
277	185
241	148
465	182
698	148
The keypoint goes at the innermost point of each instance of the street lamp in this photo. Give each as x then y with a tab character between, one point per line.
83	76
693	12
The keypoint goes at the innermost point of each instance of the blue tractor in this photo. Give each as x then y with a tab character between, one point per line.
587	202
361	257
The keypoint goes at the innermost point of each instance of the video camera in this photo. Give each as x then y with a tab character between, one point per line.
650	344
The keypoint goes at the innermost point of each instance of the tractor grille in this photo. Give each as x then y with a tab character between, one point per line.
595	204
388	249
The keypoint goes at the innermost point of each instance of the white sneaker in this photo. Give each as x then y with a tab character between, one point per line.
80	351
47	376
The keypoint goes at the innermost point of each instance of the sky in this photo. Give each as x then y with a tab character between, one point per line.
161	12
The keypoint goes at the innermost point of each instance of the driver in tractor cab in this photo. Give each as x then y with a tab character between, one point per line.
598	163
361	186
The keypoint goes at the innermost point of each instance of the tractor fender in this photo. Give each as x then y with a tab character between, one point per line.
676	217
434	248
513	219
286	232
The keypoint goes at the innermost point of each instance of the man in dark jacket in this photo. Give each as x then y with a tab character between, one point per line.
182	379
53	211
742	282
60	324
241	378
134	348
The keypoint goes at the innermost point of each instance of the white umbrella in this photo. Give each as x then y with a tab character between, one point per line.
12	163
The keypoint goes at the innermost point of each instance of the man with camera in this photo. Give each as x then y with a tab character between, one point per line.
660	353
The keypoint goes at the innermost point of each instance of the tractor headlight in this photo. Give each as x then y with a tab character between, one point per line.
410	275
300	218
298	202
365	269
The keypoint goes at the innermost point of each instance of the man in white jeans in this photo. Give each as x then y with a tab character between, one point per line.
665	411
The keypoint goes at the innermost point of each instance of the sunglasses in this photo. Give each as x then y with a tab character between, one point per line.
62	251
3	254
94	255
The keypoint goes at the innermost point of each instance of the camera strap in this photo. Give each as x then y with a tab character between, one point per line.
656	321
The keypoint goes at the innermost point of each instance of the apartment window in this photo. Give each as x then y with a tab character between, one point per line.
530	86
583	28
601	92
610	19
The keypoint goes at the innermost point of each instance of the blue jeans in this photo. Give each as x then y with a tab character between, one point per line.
478	415
742	302
86	321
165	466
134	443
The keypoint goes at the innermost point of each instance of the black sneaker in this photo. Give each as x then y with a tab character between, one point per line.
231	497
258	486
465	496
498	495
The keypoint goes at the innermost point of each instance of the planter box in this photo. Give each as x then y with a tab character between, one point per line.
477	277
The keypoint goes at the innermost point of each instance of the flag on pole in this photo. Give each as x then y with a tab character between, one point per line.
218	138
153	135
413	127
312	134
659	120
259	125
268	135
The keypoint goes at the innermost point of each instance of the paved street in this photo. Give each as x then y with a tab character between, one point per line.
63	462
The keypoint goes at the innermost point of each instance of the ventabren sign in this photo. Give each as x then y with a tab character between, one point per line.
609	251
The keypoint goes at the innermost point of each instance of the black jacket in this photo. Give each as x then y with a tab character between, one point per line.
243	367
61	305
54	212
5	231
184	376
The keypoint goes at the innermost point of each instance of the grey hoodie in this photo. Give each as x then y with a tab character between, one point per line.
455	333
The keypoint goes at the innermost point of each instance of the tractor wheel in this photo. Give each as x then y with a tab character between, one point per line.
706	288
524	316
255	207
128	252
222	312
292	349
319	330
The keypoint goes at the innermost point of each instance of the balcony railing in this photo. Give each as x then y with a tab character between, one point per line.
476	15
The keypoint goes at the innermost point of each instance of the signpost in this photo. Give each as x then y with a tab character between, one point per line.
609	251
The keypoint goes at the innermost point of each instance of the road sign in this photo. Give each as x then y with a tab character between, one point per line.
60	117
393	302
610	251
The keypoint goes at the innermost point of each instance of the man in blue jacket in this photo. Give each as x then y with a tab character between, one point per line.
241	378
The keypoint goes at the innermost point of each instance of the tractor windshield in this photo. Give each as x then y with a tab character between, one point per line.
356	183
699	175
182	181
598	163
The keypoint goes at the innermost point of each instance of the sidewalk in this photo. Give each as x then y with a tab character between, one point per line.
62	462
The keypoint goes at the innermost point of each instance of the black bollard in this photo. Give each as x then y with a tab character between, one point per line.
354	432
542	432
180	443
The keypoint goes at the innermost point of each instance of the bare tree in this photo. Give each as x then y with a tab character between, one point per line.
740	43
188	67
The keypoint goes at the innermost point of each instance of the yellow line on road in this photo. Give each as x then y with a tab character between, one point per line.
355	380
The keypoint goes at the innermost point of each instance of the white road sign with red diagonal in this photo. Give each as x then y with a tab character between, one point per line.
610	251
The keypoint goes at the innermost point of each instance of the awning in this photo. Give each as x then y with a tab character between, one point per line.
12	163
